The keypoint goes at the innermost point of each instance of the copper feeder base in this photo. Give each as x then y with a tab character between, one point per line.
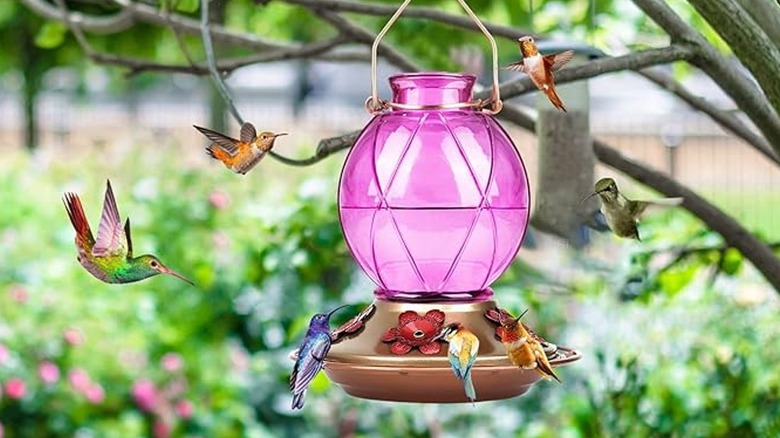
364	366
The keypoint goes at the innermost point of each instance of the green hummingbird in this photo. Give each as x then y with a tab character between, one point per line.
110	257
622	214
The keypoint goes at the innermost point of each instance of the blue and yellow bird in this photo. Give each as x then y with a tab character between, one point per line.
463	349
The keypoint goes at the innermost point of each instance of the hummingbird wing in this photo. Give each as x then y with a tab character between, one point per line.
111	239
230	145
516	66
309	363
248	133
555	61
637	207
248	161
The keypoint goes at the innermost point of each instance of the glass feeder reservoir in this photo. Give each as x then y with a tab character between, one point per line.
433	203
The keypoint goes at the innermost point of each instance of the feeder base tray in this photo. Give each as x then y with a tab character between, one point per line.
364	366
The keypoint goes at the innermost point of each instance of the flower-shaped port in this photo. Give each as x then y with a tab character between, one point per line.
415	331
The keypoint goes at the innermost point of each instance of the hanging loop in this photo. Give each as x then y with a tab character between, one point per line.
375	105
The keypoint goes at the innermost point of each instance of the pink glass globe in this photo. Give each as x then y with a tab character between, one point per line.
433	202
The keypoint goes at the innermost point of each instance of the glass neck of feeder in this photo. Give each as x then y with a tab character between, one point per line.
430	89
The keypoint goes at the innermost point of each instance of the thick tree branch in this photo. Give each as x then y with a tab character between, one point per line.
598	67
739	87
432	14
766	14
734	234
751	45
726	119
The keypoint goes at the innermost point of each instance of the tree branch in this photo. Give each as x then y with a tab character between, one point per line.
766	13
597	67
151	15
220	83
362	35
724	118
101	25
751	45
740	88
432	14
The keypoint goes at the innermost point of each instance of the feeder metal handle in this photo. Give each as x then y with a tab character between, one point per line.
376	105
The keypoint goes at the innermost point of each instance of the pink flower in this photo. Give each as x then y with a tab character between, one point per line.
219	200
171	362
3	354
184	409
79	379
48	372
18	293
95	393
73	337
15	388
160	429
145	394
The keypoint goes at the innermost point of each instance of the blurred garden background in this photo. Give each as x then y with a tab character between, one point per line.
678	332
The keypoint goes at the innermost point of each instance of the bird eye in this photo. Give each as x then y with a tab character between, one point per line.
154	264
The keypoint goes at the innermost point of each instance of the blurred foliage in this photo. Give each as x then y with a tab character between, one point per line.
669	350
681	357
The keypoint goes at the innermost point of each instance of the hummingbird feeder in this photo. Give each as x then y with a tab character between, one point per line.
433	202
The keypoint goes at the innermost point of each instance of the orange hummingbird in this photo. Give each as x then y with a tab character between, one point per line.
242	155
523	349
541	68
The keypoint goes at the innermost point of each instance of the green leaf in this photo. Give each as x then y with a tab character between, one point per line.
51	35
732	261
675	279
187	6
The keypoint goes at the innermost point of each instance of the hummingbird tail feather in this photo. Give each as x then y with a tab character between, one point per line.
546	370
77	217
468	385
298	400
217	152
554	98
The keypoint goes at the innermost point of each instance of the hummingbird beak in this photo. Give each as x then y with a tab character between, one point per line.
280	134
329	314
521	315
164	270
588	197
446	330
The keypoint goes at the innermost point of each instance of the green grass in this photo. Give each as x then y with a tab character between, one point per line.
758	211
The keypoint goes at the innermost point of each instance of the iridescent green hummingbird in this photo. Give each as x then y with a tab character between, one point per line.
623	214
110	257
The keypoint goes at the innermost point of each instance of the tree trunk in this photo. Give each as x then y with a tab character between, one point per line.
31	68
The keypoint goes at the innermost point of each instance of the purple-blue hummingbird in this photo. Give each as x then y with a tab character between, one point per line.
311	354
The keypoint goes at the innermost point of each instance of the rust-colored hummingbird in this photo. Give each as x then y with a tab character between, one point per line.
110	257
541	68
241	155
522	348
